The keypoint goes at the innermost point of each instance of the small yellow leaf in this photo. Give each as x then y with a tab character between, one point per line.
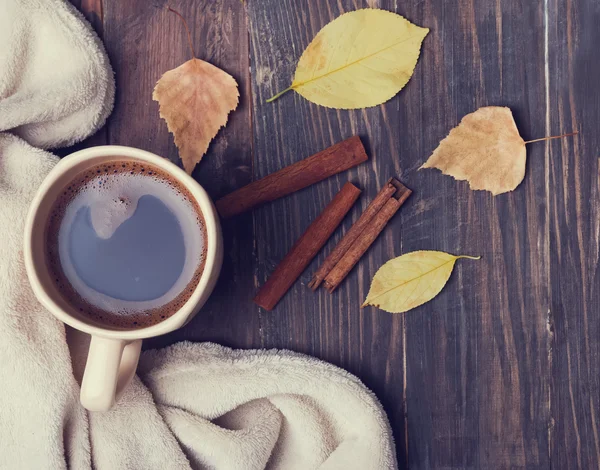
195	100
410	280
485	149
360	59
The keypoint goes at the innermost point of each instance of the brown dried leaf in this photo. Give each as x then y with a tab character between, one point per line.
485	149
195	100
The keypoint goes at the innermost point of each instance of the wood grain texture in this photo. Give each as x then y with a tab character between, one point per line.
368	343
574	218
143	41
455	374
501	369
477	355
306	248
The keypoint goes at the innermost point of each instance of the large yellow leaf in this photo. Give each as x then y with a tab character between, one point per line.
195	100
410	280
485	149
360	59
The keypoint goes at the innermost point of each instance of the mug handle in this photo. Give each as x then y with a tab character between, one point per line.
110	366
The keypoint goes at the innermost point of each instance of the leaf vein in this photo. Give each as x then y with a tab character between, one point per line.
312	79
413	279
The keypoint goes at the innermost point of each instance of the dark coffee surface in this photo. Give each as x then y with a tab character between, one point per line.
120	259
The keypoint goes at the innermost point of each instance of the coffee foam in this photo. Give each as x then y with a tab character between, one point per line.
112	192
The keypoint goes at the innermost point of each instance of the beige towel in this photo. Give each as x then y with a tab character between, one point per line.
192	405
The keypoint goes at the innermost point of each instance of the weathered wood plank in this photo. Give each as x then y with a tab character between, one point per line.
472	399
503	349
144	41
574	215
333	327
460	367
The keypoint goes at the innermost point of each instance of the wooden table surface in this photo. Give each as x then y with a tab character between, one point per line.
502	369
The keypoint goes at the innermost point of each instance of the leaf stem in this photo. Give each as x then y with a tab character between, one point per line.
468	257
273	98
552	137
189	35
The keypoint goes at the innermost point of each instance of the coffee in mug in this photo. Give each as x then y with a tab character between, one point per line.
116	239
126	244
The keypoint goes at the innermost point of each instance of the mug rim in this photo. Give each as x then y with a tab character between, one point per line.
213	232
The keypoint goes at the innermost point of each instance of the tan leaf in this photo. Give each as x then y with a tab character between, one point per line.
485	149
410	280
195	100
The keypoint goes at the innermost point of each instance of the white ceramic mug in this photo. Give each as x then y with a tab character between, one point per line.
114	353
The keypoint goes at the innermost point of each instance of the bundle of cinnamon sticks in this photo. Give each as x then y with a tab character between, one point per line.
353	245
359	238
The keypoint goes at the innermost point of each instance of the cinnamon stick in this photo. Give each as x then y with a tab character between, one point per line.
367	236
306	248
357	229
328	162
